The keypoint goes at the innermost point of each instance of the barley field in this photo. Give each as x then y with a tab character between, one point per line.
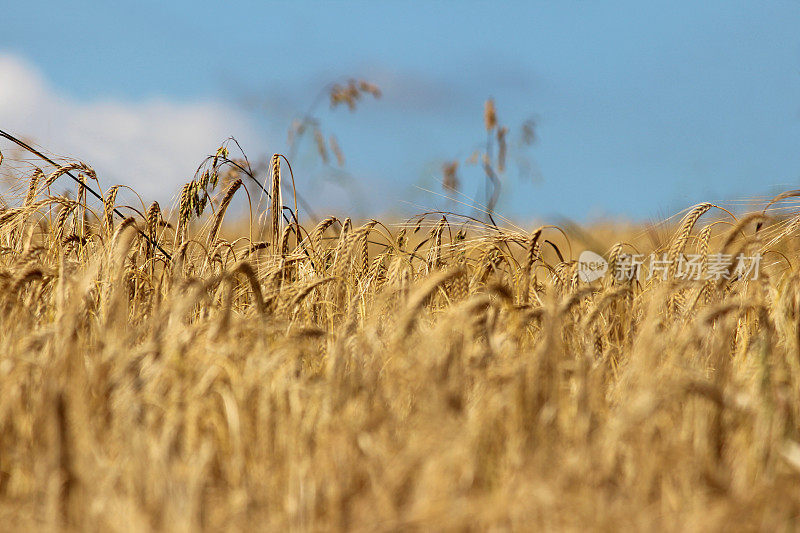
168	370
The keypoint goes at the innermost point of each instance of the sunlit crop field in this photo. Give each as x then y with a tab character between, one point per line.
171	370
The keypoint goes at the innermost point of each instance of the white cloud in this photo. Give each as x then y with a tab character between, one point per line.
154	145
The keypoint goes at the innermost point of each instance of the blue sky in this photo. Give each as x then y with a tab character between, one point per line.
642	108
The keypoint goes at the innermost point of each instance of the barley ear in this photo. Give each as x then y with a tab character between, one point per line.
226	200
682	236
275	205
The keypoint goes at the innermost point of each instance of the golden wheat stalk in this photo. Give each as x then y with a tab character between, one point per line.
223	207
275	209
60	171
682	235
